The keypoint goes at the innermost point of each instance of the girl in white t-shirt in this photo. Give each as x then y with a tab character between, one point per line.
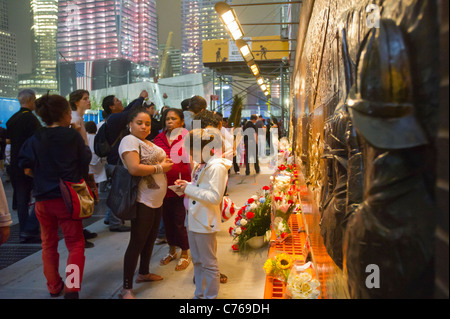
142	158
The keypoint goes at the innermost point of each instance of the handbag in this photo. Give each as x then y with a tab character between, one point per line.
123	194
78	198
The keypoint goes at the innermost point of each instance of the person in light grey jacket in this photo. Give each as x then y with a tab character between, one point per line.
5	216
203	201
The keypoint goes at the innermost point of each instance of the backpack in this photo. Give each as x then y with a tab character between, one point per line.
101	146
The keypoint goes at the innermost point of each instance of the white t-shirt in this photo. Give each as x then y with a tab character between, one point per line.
79	123
152	188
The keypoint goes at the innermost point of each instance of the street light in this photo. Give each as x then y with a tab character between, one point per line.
260	80
230	20
245	50
254	68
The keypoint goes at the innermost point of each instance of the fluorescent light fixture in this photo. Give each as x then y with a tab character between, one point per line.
263	87
228	17
230	20
245	50
260	80
255	70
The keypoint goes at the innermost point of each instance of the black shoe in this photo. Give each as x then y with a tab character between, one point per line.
26	238
120	229
106	222
88	244
88	234
71	295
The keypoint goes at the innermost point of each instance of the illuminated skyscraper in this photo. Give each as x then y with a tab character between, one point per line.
90	30
200	22
44	28
8	60
118	36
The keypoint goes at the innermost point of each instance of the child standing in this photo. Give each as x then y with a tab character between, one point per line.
203	201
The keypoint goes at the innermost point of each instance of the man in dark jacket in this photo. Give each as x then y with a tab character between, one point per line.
115	130
21	126
251	145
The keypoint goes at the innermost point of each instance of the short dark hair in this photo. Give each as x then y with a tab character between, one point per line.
253	117
75	97
185	104
107	103
51	108
179	112
91	127
197	104
207	118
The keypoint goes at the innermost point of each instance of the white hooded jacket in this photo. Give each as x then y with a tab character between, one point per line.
205	198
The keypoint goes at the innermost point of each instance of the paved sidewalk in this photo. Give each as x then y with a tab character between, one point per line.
104	263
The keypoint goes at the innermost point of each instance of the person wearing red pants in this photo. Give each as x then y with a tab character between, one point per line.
53	153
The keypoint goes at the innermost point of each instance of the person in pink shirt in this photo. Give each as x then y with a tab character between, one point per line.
174	213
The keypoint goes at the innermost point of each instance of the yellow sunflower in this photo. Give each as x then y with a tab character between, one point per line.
284	261
268	266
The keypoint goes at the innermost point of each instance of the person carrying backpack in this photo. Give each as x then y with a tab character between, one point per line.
114	129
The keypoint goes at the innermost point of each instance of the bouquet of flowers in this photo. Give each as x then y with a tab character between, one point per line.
279	266
301	284
253	219
283	207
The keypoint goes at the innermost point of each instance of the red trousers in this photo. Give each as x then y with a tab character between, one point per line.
51	214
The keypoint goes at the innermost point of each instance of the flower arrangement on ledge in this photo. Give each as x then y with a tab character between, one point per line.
301	284
284	200
279	266
252	220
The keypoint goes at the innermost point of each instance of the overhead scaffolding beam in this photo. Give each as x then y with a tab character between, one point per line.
264	4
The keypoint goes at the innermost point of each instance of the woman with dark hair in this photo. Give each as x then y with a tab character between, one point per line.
53	153
174	213
79	103
143	158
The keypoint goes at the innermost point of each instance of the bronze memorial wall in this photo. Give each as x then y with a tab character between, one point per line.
364	114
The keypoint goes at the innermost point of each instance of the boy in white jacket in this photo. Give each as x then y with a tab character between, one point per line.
203	201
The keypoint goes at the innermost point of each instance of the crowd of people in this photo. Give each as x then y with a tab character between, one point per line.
178	201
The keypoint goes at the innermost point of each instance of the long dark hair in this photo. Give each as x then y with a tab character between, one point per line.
51	108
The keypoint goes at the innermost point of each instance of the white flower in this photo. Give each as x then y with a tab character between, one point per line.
243	222
238	231
253	206
302	286
255	197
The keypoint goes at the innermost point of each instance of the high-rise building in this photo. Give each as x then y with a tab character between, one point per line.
44	56
199	22
173	67
8	60
118	36
90	30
